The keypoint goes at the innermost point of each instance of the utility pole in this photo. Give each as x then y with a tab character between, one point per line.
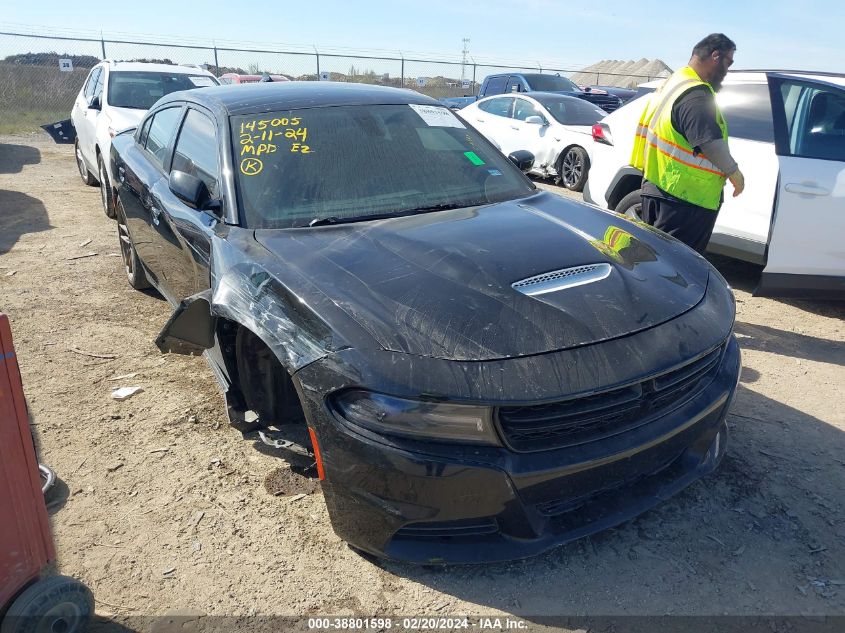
464	55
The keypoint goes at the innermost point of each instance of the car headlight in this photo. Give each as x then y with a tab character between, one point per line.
433	421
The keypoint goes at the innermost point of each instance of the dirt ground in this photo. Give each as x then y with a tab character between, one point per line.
165	508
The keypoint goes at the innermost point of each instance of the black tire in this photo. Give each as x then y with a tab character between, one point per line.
57	603
131	262
573	166
87	176
631	205
106	194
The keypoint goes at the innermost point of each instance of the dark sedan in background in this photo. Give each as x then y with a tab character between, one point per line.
480	370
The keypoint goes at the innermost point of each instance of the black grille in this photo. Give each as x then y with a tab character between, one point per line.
449	529
581	420
607	102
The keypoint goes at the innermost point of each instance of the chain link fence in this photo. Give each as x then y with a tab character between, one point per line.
40	75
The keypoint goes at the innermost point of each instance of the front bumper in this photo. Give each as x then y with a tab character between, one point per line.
439	504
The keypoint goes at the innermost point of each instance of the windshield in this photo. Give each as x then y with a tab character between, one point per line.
140	90
551	83
296	168
571	110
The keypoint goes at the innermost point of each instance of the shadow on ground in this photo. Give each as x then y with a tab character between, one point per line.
19	213
772	512
768	339
745	276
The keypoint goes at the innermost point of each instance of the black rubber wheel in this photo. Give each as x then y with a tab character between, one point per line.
105	189
573	167
131	262
87	177
631	205
57	604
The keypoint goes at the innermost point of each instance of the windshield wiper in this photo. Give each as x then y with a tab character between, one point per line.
439	207
333	219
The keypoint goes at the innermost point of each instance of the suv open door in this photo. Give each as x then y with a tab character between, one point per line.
806	246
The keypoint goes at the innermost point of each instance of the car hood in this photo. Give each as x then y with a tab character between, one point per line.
440	284
123	118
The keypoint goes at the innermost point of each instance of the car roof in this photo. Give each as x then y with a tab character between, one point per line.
119	66
759	76
293	95
539	94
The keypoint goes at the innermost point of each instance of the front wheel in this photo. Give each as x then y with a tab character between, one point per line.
105	189
631	206
57	603
87	177
573	168
131	262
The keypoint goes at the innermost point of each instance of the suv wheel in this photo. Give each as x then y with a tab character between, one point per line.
105	189
631	206
86	175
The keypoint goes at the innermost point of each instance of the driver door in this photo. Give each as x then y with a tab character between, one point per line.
182	233
806	248
85	119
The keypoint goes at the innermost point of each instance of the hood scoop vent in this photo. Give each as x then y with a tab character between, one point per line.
562	279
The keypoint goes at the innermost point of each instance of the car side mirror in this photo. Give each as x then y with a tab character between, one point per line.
536	120
95	103
523	159
190	190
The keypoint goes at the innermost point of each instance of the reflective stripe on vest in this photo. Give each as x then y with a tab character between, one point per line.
664	155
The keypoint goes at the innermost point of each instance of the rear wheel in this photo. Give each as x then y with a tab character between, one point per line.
86	175
573	167
57	604
131	262
105	189
631	206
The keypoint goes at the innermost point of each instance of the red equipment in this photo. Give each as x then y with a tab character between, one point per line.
56	603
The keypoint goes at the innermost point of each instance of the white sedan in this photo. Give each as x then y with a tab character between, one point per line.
553	127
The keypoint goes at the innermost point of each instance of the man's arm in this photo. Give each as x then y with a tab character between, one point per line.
694	116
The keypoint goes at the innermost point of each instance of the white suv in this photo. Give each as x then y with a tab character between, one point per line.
787	132
116	96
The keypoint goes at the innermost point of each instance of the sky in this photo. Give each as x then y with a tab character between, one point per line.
776	34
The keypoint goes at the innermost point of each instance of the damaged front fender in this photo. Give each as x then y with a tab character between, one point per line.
190	329
249	288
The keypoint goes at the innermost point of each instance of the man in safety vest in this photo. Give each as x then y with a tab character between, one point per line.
681	147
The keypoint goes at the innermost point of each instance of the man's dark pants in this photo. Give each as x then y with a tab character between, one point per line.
691	224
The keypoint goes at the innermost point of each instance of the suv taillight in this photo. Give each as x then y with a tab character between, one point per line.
601	133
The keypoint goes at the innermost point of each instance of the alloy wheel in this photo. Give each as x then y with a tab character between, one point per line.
80	164
104	184
573	166
126	248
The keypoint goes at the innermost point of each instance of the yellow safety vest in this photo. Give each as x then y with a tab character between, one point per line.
666	158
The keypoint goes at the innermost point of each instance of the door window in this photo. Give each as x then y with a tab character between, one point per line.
514	85
162	127
747	108
97	92
197	150
815	120
524	109
499	107
92	82
496	85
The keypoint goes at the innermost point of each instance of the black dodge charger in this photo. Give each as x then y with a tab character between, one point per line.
477	370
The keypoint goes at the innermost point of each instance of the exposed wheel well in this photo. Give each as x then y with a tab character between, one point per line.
626	184
258	381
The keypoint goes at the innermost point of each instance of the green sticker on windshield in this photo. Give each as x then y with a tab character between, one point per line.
473	158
